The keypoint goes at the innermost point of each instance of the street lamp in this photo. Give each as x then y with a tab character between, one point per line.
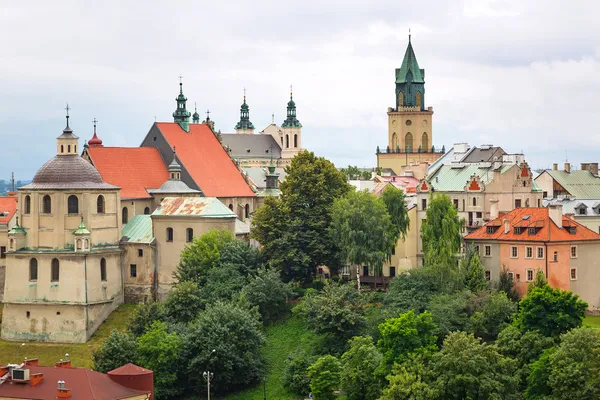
18	349
208	376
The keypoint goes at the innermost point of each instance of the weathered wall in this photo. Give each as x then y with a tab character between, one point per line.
587	283
139	289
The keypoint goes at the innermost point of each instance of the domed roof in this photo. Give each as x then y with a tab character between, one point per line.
95	141
68	172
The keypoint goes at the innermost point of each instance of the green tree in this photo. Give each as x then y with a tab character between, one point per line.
498	310
539	282
183	303
295	371
407	382
412	290
324	377
160	351
117	350
200	256
267	292
363	229
409	333
506	284
144	316
294	229
450	312
537	381
359	364
395	202
550	311
239	254
465	368
473	272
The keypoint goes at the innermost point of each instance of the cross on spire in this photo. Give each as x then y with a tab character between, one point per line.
408	35
273	118
180	84
94	121
207	115
291	91
244	95
67	108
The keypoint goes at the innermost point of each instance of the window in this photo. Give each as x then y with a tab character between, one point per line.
544	194
529	252
490	229
287	141
103	270
488	275
408	142
478	214
100	205
529	275
455	201
132	270
393	251
124	215
573	251
140	253
55	273
540	253
69	148
189	235
514	252
511	275
581	211
231	207
147	211
295	140
423	203
73	205
474	201
27	207
392	272
517	203
488	251
573	274
365	270
555	256
169	234
46	205
425	141
477	249
2	251
247	211
33	269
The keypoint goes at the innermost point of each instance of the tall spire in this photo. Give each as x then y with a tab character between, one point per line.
410	81
95	141
195	116
410	71
67	128
244	125
291	120
181	115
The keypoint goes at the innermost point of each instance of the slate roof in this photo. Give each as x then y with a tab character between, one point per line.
482	154
208	207
138	230
569	206
251	146
547	230
133	169
258	176
8	208
202	155
409	63
173	187
581	184
241	227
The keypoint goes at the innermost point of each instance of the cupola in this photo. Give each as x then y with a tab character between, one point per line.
66	144
82	238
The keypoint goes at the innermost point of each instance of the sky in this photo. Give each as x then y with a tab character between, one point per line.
524	75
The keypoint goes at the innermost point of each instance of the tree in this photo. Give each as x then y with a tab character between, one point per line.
412	290
359	364
224	282
409	333
496	313
294	229
324	377
537	381
159	351
550	311
117	350
465	368
363	229
240	255
539	282
295	371
183	303
406	382
200	256
267	292
144	316
473	272
505	284
395	203
225	338
450	312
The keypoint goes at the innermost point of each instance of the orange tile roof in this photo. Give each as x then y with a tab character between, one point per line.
539	218
8	205
201	154
133	169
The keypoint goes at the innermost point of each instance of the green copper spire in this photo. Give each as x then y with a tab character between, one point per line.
17	229
195	116
410	71
82	230
291	120
181	114
410	81
244	122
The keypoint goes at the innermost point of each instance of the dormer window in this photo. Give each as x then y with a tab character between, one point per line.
491	229
518	230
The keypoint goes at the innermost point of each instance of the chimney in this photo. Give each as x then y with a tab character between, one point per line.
35	379
506	226
555	167
64	364
62	392
567	167
31	362
555	214
493	209
591	167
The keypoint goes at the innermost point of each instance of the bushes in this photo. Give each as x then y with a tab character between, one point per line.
295	373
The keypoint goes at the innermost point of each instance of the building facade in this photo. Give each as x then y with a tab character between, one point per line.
8	211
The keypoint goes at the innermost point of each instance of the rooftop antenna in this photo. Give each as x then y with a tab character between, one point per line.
273	118
12	180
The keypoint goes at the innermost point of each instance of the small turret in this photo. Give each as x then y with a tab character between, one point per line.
83	238
66	144
244	126
195	116
95	141
181	115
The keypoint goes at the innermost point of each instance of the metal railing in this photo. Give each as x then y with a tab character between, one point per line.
410	150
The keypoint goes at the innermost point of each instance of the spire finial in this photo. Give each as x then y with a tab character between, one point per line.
67	108
195	108
95	121
180	84
408	35
273	118
291	92
207	115
244	95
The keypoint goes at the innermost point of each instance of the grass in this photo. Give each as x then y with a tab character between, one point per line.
80	353
593	322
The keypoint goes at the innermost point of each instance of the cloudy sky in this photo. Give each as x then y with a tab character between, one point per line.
524	75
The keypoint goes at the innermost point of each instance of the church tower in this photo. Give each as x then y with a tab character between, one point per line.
181	115
292	130
244	126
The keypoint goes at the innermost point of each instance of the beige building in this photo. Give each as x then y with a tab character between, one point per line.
63	272
8	208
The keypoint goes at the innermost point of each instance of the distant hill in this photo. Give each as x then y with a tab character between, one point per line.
6	186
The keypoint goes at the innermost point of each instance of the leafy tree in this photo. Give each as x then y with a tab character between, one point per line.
450	312
295	371
240	255
183	303
159	351
539	282
200	256
324	377
409	333
550	311
505	284
223	283
412	290
225	338
473	272
497	312
267	292
537	381
294	229
395	202
359	364
117	350
406	382
465	368
352	172
144	316
363	229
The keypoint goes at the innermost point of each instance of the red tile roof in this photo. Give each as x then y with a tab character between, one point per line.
8	207
83	383
209	165
539	219
133	169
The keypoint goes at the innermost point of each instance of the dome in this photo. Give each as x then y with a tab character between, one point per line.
68	172
95	141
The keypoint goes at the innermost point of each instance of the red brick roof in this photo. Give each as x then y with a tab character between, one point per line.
7	204
133	169
209	165
83	383
539	219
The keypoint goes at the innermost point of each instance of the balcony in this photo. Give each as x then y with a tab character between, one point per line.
410	150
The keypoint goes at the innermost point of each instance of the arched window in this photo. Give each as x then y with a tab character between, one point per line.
124	215
27	207
231	207
47	205
169	234
394	141
474	201
147	211
425	142
75	148
100	205
408	142
418	100
556	256
103	270
189	235
55	273
68	148
73	204
86	244
282	141
78	245
287	141
33	269
295	140
247	211
400	99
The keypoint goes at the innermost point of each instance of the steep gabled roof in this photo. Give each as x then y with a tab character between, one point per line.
133	169
251	146
8	208
202	155
409	64
138	230
581	184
